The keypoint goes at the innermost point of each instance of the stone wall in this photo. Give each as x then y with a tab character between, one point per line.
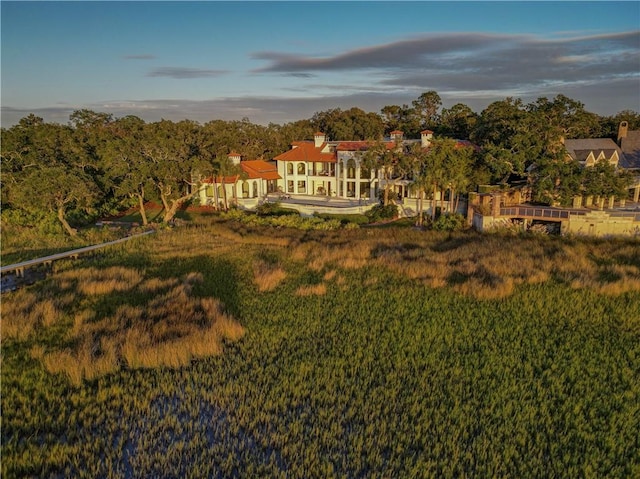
601	223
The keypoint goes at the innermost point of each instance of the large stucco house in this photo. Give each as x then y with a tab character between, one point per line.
336	171
321	174
334	168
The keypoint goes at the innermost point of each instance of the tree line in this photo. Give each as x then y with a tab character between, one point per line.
97	164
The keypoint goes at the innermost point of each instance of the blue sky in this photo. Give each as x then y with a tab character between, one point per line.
283	61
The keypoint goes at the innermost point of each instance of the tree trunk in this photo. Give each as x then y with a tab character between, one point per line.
224	195
175	205
385	200
143	212
434	202
420	207
63	220
215	193
165	203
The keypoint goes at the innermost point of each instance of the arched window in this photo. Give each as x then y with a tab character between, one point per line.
301	168
289	168
245	189
255	189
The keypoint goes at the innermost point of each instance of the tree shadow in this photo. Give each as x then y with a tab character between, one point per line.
454	242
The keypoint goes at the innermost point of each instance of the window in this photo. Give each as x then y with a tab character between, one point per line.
290	186
289	168
301	168
245	189
302	186
209	191
255	189
351	169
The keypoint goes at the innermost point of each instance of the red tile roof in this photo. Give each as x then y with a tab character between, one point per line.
353	145
360	145
260	169
306	151
229	180
255	169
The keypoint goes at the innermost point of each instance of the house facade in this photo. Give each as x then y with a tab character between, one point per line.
589	151
629	142
335	169
624	155
257	179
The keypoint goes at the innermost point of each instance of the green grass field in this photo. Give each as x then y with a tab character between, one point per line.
355	353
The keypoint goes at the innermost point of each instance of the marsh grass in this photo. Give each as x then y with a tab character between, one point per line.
268	276
26	313
367	366
170	329
319	289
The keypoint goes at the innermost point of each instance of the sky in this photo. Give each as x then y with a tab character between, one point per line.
277	62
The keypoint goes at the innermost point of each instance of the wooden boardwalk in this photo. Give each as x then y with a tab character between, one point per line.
19	268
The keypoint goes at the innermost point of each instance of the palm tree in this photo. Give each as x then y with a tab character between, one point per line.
417	159
388	160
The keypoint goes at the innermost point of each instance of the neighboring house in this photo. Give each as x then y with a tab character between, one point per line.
624	155
591	150
334	169
246	190
629	141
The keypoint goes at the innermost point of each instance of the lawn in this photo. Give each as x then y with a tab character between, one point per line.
347	353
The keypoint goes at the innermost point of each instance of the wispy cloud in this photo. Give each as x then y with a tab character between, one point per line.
488	62
476	69
143	56
180	73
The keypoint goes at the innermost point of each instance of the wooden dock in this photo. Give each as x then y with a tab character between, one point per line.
18	269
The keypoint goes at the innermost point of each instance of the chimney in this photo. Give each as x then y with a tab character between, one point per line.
235	158
318	139
396	135
425	138
622	131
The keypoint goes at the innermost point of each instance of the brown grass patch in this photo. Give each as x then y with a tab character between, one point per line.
94	281
172	329
312	289
329	275
25	313
491	266
267	277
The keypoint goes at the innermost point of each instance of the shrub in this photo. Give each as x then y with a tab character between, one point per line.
351	221
382	212
449	222
273	209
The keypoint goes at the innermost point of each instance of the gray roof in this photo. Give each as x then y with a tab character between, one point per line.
631	149
580	149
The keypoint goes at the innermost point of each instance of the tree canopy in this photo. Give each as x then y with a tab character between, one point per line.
97	164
